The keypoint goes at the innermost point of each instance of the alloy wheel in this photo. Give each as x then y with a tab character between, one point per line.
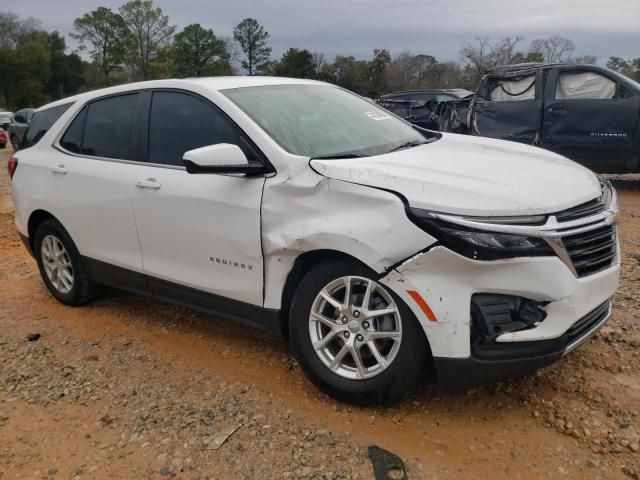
355	327
57	264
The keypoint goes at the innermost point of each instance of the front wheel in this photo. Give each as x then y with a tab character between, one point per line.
354	338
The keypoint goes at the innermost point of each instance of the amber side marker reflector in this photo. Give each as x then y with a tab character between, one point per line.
422	304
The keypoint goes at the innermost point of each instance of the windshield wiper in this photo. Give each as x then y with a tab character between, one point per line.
337	156
410	144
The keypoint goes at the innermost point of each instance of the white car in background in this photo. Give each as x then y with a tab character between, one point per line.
376	248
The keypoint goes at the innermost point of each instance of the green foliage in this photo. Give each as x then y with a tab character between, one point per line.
104	31
252	38
197	52
349	73
31	74
378	73
67	71
137	43
148	32
295	63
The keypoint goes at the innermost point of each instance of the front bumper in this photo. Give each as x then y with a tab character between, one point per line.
448	281
517	359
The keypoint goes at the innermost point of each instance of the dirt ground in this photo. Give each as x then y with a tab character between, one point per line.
129	388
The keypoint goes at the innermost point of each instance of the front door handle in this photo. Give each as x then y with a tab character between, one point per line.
59	169
148	183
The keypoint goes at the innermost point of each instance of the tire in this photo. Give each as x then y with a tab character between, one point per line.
14	142
406	357
79	289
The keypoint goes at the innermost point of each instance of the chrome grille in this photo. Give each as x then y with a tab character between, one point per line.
591	251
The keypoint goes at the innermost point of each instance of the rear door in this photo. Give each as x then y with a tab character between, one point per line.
509	108
198	232
91	183
591	117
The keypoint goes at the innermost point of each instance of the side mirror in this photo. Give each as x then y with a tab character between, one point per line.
223	158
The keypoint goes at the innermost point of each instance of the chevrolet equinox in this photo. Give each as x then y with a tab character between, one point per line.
378	249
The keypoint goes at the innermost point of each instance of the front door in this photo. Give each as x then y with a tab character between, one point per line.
198	232
592	118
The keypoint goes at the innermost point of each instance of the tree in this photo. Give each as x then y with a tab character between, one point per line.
485	55
319	63
7	69
295	63
106	32
252	38
407	71
630	68
32	71
377	70
349	73
13	30
584	60
67	71
25	62
553	49
197	52
148	33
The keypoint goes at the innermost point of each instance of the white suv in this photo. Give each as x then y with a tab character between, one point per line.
376	248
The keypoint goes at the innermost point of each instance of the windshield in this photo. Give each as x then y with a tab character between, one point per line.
323	121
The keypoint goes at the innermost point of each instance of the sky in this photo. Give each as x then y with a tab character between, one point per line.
602	28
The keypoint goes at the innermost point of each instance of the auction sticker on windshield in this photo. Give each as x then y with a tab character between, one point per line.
378	115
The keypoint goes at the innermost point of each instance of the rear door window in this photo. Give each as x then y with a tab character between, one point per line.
180	122
41	123
108	127
514	89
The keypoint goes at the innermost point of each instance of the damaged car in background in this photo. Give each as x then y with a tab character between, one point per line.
587	113
380	250
416	106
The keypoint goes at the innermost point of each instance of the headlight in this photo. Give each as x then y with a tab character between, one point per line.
480	244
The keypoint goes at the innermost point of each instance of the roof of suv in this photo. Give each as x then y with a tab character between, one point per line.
210	83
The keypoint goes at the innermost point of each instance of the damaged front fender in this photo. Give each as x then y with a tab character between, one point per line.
314	212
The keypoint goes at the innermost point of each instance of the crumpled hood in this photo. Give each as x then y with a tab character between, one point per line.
472	176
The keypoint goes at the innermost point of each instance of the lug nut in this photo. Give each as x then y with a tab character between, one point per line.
359	338
356	314
344	319
365	325
345	334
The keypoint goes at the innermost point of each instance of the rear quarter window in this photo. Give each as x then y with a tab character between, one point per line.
41	123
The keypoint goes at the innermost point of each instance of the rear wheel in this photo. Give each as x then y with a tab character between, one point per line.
61	266
14	142
353	337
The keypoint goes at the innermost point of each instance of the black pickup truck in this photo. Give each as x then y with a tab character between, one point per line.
585	112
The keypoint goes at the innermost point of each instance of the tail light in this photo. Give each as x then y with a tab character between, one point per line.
12	164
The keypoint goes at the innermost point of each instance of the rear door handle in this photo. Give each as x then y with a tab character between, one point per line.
148	183
557	110
59	169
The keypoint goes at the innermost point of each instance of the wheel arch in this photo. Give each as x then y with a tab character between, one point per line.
35	220
304	263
